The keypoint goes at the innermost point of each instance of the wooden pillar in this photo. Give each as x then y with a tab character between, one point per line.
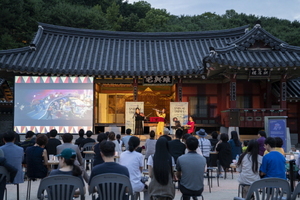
232	92
179	90
135	89
268	94
283	92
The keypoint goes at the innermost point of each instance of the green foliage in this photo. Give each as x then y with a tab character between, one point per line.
18	19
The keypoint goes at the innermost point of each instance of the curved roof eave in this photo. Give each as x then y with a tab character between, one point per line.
137	35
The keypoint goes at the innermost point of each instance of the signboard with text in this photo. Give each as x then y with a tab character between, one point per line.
178	112
158	80
276	127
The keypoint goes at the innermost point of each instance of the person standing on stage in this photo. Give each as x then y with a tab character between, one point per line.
139	118
161	124
190	125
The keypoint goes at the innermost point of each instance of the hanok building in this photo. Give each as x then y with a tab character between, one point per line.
230	78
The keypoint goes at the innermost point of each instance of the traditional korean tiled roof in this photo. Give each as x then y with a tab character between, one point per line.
58	50
293	89
247	51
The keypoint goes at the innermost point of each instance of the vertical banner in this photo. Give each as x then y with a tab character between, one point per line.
178	114
129	114
277	128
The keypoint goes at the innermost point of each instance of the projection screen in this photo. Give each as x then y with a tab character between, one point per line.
42	103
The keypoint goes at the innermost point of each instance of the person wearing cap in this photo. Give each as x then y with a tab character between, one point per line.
67	139
67	165
204	144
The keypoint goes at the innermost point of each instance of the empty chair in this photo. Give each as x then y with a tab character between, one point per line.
60	187
88	152
111	186
268	189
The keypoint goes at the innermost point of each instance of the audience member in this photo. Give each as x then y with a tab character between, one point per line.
245	145
125	139
204	144
67	139
184	138
273	163
176	147
67	165
37	158
52	143
166	134
97	157
248	165
10	169
235	144
224	152
150	145
214	140
88	139
191	183
161	166
17	139
261	141
107	151
29	140
81	137
13	155
119	140
278	146
112	137
134	163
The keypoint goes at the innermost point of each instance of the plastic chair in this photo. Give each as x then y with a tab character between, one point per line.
296	192
213	166
88	156
60	187
111	186
268	189
4	175
240	189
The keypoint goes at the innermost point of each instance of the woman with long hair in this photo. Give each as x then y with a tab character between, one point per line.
67	167
139	118
236	145
160	166
224	152
248	165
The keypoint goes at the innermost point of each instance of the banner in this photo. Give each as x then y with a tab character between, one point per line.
129	114
178	114
277	128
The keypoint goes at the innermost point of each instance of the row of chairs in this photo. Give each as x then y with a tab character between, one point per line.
62	187
270	189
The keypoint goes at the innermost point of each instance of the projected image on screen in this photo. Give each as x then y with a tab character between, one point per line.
53	103
56	104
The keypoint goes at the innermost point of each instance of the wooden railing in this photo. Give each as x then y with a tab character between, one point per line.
249	117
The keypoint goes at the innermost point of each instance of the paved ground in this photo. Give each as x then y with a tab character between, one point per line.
226	191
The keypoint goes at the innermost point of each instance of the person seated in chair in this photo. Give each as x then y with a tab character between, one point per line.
107	151
10	169
191	183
